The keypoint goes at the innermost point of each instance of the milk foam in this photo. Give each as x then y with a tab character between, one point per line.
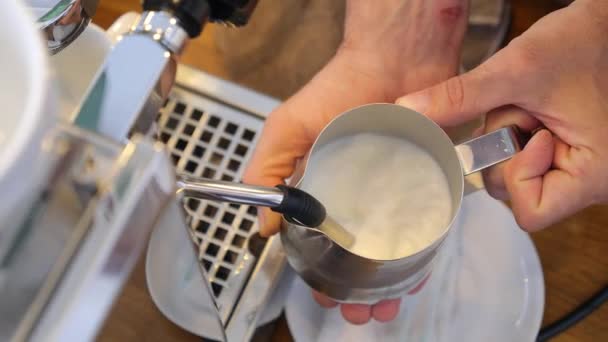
388	192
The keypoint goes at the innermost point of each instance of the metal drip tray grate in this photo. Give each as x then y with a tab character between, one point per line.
212	139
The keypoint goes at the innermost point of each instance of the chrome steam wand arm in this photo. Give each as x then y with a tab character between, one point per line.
293	203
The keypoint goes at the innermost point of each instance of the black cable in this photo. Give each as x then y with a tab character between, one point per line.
573	317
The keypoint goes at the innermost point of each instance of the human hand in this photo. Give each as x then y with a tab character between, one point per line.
390	47
555	75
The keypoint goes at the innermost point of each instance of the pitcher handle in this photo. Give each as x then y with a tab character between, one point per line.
490	149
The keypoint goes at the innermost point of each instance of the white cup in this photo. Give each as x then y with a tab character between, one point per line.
28	112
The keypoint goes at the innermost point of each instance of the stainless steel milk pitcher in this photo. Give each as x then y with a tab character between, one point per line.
327	265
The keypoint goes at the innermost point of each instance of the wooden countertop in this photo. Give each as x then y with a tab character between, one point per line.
574	253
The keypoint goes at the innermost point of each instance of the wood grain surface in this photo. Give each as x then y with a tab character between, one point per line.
272	55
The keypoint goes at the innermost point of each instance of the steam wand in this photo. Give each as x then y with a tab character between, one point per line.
296	205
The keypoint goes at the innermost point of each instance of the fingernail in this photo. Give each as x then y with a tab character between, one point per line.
418	102
386	310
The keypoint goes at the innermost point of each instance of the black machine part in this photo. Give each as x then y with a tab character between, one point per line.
193	14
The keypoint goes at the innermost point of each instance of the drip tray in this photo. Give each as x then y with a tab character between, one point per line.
210	128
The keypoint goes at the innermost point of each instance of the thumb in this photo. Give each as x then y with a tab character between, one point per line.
273	160
261	171
540	194
463	97
269	221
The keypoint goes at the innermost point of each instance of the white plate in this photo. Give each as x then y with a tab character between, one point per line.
175	284
487	286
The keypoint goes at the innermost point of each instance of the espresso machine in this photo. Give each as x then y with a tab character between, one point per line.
112	180
109	183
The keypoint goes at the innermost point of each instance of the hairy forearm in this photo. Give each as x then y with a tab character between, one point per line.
390	48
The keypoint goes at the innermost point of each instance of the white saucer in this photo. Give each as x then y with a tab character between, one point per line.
175	284
487	286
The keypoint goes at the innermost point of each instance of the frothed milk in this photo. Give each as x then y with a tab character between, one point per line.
388	192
